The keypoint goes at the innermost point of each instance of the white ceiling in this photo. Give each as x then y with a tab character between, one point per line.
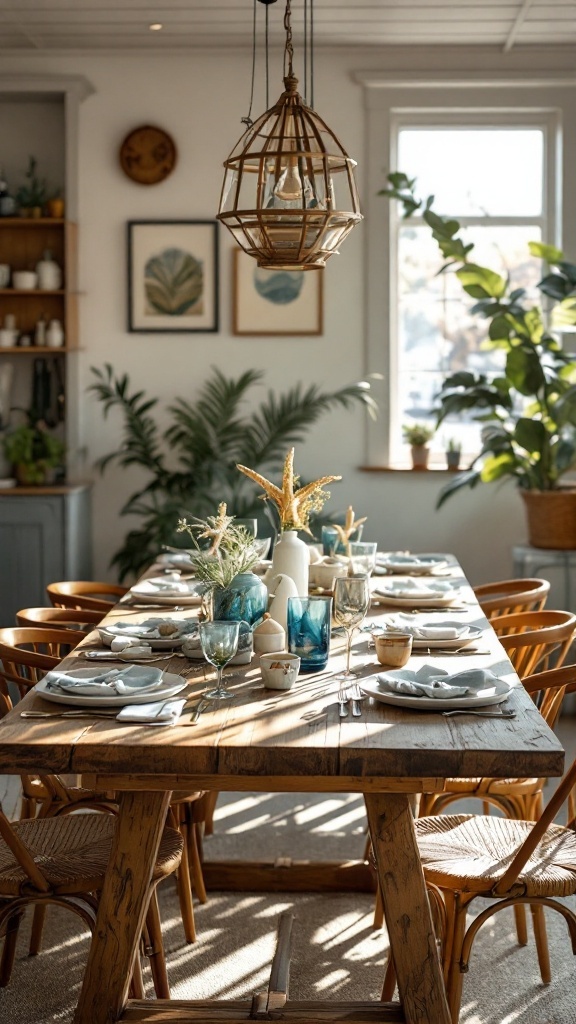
120	25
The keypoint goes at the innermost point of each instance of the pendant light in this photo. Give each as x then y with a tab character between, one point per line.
289	196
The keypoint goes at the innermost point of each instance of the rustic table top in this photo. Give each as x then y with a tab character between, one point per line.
296	733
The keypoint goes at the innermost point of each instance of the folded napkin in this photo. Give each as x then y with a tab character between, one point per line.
162	712
415	589
135	679
164	585
430	681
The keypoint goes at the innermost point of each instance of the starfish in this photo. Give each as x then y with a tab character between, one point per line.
293	505
350	525
214	532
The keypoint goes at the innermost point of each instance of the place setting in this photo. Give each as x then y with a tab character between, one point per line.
446	637
407	564
430	688
170	589
415	594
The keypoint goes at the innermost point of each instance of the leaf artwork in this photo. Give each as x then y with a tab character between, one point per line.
174	284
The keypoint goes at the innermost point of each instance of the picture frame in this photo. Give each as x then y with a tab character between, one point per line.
275	303
173	276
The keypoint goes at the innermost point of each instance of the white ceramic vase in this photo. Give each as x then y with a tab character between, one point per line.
292	558
280	588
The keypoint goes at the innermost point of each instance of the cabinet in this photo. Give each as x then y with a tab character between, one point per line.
44	537
23	240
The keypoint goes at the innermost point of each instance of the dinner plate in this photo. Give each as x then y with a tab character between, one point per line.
170	685
447	645
439	601
157	591
494	694
176	560
117	630
422	565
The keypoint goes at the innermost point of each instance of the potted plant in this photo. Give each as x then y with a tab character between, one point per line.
453	451
225	566
32	195
33	452
417	436
528	411
192	463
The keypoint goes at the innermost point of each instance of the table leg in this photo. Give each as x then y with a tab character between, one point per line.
407	909
122	907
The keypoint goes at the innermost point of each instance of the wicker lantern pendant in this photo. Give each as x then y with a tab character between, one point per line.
289	196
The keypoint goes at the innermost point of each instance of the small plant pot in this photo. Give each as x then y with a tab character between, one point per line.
55	208
34	474
420	455
453	461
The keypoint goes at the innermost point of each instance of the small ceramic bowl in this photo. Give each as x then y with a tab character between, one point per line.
280	670
24	280
393	649
322	574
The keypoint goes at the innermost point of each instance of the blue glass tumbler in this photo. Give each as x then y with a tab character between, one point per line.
309	621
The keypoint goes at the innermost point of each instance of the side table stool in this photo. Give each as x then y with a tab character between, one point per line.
528	561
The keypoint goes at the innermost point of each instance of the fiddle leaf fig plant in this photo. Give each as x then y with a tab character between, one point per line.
191	466
528	411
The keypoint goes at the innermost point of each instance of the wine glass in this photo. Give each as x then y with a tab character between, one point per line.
219	641
351	602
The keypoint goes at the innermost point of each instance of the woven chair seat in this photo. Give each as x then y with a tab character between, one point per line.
470	853
73	853
502	786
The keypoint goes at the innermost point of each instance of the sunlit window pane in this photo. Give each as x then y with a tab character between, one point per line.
494	172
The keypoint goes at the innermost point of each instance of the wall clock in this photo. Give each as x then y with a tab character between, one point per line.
148	155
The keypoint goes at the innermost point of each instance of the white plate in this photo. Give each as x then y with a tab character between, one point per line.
423	565
179	560
171	684
495	694
157	591
117	630
441	601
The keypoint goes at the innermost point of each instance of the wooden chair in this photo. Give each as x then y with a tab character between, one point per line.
82	594
63	861
83	621
26	655
465	856
530	639
508	596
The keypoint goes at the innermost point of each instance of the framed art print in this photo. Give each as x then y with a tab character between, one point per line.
172	276
275	302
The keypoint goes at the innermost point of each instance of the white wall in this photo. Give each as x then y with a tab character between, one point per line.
200	99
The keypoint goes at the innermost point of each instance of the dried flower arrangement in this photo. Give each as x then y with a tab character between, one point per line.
294	507
231	549
346	532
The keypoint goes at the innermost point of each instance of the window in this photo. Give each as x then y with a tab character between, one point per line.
499	203
491	152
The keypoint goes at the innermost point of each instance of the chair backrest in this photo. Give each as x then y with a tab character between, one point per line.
27	653
508	596
59	618
548	690
82	594
530	638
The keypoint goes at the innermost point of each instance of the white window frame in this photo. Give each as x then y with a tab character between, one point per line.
390	102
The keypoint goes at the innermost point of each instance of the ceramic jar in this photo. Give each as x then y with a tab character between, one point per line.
269	636
54	334
292	558
245	599
49	273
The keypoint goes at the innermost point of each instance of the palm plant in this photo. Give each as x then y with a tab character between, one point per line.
208	439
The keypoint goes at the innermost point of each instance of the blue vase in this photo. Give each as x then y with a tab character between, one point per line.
245	599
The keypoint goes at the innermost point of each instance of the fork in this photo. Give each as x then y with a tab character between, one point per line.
343	702
356	695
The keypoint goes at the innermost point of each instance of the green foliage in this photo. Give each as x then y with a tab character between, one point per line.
417	434
34	450
204	442
236	552
529	412
35	191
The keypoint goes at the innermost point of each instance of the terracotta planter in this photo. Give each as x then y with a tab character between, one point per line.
420	455
551	518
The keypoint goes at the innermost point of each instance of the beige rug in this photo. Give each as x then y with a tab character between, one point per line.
336	954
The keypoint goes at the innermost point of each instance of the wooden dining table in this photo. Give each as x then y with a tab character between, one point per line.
283	741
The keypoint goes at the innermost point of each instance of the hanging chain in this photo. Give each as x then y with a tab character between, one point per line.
289	49
267	63
306	51
248	119
312	53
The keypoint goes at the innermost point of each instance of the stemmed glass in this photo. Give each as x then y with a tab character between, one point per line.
351	602
219	644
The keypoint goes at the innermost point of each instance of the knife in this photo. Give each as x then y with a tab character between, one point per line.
201	706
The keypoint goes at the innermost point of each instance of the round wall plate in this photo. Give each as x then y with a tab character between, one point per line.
148	155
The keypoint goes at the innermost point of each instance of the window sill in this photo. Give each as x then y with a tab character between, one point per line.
408	469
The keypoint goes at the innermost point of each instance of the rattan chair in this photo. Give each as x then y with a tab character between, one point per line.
83	594
26	655
512	862
63	861
508	596
535	640
83	621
